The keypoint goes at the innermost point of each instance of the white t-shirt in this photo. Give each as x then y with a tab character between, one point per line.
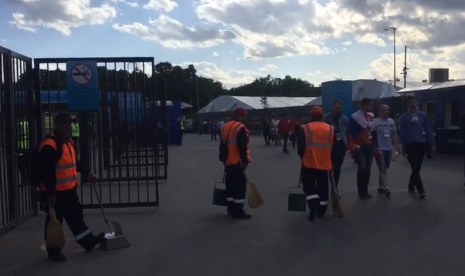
385	128
275	122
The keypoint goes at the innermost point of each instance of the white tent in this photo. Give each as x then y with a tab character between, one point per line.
229	103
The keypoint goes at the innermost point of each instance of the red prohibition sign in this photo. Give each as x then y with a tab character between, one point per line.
81	74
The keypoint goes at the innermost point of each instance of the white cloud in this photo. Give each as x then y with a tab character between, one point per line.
215	54
229	79
347	43
161	5
311	74
130	3
59	15
171	33
268	67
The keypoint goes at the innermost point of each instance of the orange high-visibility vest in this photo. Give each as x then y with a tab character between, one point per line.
231	129
319	142
66	172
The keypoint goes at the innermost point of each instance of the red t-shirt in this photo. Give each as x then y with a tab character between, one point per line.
284	126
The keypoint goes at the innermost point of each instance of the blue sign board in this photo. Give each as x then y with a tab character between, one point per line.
341	90
82	85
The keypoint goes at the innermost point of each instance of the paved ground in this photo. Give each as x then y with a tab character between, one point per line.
189	236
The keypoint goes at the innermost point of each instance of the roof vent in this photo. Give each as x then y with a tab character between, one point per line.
438	74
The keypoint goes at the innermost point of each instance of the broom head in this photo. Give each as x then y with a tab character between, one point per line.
55	235
254	198
335	199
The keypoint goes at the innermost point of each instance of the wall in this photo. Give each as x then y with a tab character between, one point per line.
448	141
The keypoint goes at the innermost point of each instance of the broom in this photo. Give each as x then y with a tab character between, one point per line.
55	235
335	201
254	198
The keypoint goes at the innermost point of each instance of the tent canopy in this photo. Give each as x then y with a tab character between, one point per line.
228	103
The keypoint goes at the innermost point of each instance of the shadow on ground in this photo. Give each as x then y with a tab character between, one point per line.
189	236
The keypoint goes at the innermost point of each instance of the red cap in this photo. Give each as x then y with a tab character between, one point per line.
240	111
316	111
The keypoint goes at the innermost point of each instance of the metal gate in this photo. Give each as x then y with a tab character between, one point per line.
124	142
18	200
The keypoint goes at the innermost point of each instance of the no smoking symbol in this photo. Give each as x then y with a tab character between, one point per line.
81	74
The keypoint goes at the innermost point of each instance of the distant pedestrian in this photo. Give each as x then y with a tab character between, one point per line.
284	128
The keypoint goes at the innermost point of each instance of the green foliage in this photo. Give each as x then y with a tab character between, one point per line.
264	101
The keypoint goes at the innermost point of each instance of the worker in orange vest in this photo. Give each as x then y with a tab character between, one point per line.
314	146
58	184
235	155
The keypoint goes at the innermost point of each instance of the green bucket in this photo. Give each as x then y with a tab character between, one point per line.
296	202
219	195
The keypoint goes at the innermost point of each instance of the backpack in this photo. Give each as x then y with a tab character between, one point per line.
224	146
34	167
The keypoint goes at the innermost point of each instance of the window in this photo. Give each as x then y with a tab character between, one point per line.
428	108
452	113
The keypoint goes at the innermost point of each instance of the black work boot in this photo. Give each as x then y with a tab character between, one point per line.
54	254
239	213
312	215
91	241
230	208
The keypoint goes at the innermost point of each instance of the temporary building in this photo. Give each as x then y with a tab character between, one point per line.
228	103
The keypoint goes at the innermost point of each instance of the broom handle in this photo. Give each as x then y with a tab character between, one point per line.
101	205
51	212
300	175
333	182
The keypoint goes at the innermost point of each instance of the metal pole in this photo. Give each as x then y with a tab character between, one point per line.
405	67
197	88
394	29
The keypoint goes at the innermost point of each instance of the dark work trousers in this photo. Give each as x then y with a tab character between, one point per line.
285	139
364	159
415	155
213	134
338	155
236	188
68	207
316	186
22	162
267	135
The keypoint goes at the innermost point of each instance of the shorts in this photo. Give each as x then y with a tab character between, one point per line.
383	159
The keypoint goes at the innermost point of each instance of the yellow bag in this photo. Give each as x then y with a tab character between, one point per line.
254	198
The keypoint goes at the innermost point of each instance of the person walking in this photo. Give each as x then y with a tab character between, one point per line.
314	144
361	145
416	136
284	128
295	128
235	155
340	123
266	124
385	137
59	183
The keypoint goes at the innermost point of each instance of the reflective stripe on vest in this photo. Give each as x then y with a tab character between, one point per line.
233	140
65	170
310	142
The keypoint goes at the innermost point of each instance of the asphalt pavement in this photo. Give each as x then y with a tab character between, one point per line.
188	236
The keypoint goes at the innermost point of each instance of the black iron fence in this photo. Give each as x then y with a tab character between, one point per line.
124	141
18	200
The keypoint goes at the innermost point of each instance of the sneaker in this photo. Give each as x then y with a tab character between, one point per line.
94	241
57	257
312	215
381	190
387	192
242	215
365	196
422	196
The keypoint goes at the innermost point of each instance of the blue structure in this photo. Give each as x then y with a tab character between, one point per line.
342	90
82	85
443	103
174	122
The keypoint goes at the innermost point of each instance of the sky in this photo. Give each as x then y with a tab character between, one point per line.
236	41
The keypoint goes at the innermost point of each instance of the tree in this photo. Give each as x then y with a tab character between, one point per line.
264	101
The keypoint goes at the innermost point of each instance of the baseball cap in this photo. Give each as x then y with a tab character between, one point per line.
63	118
240	111
316	111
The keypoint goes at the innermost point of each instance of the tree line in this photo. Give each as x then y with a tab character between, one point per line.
176	83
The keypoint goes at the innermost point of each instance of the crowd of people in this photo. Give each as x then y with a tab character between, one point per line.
322	145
